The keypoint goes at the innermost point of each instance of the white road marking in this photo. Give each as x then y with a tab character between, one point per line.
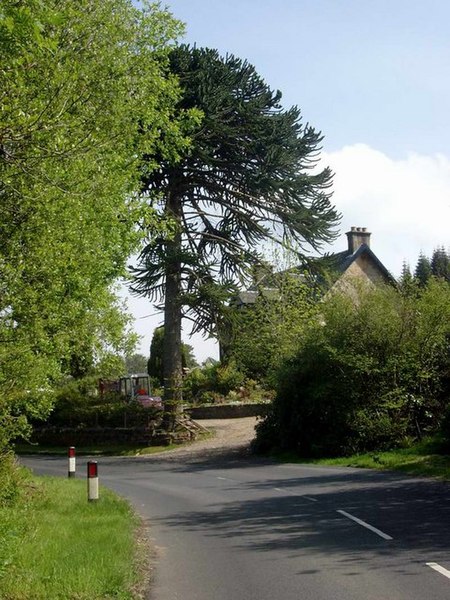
295	494
226	479
385	536
439	569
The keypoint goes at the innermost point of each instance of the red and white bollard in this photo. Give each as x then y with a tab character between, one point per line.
72	461
92	474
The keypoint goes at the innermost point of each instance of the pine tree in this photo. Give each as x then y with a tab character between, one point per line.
440	263
422	272
406	281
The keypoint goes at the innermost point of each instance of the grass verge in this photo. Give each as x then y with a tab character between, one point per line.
56	545
426	458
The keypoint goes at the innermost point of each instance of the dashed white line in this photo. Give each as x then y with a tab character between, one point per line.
439	569
385	536
295	494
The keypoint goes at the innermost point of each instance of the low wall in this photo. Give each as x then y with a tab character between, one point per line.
228	411
139	436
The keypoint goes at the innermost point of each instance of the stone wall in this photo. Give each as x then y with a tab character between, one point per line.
228	411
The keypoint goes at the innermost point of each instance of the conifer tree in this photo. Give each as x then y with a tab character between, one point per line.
249	176
406	281
422	272
440	263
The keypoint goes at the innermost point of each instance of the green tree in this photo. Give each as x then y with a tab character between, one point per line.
249	176
84	92
155	364
265	333
136	363
440	264
422	272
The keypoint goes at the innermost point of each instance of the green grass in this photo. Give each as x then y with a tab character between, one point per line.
55	545
425	458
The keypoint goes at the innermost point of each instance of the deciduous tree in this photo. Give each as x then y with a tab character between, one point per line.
84	92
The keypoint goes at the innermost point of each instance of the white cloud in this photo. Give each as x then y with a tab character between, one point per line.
404	203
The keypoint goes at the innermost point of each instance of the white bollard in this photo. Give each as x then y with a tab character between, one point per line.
72	461
92	474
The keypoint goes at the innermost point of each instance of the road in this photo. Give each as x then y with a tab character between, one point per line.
228	526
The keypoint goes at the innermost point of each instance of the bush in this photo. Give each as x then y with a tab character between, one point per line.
79	405
212	383
372	371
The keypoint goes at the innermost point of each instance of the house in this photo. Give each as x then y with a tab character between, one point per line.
331	272
337	272
357	263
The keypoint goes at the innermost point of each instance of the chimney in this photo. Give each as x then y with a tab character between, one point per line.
357	236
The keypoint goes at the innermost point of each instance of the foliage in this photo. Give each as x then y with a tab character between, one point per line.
55	541
136	363
263	334
246	178
155	364
438	266
440	263
212	382
84	91
422	272
366	375
79	405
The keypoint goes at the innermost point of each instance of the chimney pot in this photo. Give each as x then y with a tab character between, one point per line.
357	236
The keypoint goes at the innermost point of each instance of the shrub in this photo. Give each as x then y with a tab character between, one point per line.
212	383
372	371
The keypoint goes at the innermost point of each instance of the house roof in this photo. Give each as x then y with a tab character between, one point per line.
341	261
324	271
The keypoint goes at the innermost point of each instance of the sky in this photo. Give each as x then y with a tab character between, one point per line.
374	77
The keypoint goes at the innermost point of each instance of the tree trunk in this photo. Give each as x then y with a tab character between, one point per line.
172	366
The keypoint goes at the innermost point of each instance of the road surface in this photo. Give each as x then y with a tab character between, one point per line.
228	526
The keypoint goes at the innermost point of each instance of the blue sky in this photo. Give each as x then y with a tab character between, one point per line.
371	71
374	77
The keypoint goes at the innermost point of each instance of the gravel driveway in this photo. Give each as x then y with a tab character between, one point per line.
230	435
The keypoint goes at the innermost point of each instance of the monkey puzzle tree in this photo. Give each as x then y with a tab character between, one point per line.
249	176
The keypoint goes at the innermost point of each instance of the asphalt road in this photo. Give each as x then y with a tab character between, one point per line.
231	527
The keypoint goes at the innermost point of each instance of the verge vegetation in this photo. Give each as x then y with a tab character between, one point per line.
55	544
370	373
429	458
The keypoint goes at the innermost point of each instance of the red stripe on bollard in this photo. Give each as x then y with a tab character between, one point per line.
92	469
92	473
72	461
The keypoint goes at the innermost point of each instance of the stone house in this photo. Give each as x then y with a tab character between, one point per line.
356	264
339	272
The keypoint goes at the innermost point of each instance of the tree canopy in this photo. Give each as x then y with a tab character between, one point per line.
249	175
84	92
